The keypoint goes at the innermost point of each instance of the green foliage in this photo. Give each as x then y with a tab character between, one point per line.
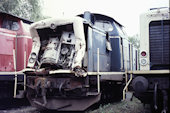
36	8
28	9
135	40
134	106
8	5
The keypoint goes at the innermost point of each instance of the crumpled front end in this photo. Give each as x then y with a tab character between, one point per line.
57	43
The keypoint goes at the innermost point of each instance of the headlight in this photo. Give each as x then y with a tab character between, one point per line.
33	55
64	50
143	61
31	60
53	26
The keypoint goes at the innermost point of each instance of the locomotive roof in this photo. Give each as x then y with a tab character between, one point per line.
58	21
165	10
24	20
107	17
104	17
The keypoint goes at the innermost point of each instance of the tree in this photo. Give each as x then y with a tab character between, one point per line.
7	5
135	40
29	9
36	8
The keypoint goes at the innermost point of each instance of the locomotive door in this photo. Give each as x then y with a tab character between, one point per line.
99	41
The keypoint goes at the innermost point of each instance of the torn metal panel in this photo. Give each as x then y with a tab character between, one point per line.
64	45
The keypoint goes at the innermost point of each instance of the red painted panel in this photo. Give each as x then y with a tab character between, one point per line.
23	45
7	43
6	63
28	46
20	53
2	30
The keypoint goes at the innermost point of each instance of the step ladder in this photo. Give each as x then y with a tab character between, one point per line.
127	95
16	82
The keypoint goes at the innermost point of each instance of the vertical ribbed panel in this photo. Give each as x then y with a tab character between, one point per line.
159	44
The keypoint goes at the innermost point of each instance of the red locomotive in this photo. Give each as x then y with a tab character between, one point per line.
15	47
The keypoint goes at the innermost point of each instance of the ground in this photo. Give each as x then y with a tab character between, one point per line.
134	106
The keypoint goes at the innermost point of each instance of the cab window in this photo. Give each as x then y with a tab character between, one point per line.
104	25
10	25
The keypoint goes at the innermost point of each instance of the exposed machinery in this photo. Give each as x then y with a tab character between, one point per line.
152	83
97	43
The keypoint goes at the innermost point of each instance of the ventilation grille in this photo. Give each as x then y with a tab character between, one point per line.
159	44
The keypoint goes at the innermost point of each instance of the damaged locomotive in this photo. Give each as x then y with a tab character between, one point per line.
60	47
75	62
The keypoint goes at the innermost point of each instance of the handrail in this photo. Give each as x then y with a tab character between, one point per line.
126	79
98	67
15	83
25	57
127	86
150	72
